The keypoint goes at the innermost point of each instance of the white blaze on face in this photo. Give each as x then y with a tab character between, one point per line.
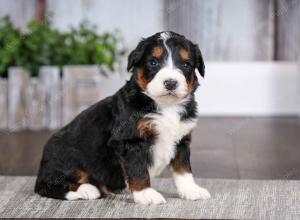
165	36
156	88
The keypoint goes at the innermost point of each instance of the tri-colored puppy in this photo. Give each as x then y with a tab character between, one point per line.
130	137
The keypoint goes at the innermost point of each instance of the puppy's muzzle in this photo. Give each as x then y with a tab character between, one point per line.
170	84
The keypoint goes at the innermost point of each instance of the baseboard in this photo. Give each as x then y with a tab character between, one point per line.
249	88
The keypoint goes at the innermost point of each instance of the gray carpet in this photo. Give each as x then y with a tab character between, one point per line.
231	199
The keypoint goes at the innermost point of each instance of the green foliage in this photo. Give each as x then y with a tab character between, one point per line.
10	45
45	45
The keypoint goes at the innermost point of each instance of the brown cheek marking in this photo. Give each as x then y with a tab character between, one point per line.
138	184
184	54
190	83
142	81
157	52
147	129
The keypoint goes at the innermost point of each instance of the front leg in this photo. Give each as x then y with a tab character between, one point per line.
182	173
136	169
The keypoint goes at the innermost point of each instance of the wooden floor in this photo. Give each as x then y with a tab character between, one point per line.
239	147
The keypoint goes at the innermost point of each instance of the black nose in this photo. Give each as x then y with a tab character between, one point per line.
170	84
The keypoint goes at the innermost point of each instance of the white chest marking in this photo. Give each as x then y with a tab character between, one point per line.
170	129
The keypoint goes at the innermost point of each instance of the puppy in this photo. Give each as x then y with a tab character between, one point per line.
132	136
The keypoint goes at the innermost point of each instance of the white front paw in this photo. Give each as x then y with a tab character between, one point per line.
193	192
148	196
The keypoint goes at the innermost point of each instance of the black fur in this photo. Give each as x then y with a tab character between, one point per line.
183	153
105	136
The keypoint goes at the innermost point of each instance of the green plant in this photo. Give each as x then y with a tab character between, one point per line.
10	45
41	46
45	45
85	46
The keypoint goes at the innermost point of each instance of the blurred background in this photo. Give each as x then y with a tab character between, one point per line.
59	57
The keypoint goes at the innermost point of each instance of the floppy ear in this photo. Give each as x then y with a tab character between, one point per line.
199	61
135	56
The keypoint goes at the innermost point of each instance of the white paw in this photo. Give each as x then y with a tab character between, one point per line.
148	196
188	189
85	191
193	192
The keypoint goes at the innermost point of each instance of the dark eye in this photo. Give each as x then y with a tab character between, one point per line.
153	62
187	65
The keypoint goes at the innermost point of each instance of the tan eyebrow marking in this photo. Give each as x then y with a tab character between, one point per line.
157	52
184	54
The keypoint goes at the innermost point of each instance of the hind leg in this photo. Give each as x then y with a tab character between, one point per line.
70	187
84	191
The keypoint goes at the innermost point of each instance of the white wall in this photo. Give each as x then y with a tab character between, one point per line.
134	18
231	30
19	11
249	88
241	89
